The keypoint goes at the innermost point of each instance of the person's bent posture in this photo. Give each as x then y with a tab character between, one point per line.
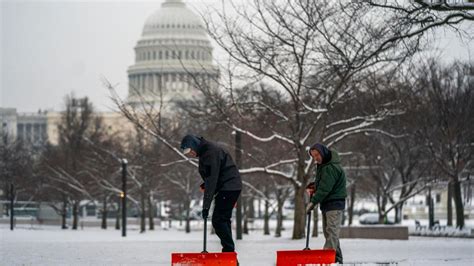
221	182
330	192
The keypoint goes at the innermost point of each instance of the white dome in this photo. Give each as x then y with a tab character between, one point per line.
173	18
172	57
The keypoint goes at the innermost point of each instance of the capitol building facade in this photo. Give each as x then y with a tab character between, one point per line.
173	57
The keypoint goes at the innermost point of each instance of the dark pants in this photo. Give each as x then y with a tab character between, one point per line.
224	203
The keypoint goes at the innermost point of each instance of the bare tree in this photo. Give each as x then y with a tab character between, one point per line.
16	171
62	165
186	186
448	127
425	15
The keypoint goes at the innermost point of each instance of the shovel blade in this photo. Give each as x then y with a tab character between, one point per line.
305	257
204	259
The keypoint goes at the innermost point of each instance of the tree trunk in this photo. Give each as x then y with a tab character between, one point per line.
75	213
351	203
399	213
315	221
259	208
63	215
180	214
188	220
251	208
246	217
104	213
266	222
458	204
158	213
300	215
382	214
450	204
238	218
279	225
151	213
142	213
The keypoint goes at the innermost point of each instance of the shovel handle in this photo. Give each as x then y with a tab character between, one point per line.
308	225
205	237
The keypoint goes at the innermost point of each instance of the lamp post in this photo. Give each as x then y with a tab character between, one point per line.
12	208
123	195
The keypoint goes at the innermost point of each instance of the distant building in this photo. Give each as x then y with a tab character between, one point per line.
31	128
172	56
417	207
8	121
37	129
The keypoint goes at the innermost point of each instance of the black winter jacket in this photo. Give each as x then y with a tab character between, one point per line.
218	171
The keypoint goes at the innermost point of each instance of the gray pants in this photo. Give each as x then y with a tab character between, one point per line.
331	226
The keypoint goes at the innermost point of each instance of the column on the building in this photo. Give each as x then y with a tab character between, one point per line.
137	83
140	88
19	131
134	84
28	133
35	132
145	83
43	132
24	136
165	81
150	83
178	82
151	88
163	85
184	81
155	82
159	82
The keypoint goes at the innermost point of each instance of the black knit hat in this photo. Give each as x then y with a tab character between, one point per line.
190	142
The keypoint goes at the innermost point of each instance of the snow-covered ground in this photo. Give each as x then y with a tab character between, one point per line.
47	245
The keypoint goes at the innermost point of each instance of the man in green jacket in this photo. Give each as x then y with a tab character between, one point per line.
330	193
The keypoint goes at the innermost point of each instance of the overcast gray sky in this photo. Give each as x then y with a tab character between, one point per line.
52	48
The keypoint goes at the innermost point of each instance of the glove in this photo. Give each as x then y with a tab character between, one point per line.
309	207
202	187
205	213
311	188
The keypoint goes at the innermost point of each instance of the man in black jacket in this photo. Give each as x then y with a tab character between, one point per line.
221	181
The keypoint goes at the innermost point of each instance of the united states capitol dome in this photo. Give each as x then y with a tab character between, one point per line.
172	56
174	18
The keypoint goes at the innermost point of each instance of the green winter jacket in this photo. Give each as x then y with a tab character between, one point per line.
330	181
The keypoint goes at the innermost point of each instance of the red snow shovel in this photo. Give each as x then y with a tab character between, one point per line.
204	258
306	256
